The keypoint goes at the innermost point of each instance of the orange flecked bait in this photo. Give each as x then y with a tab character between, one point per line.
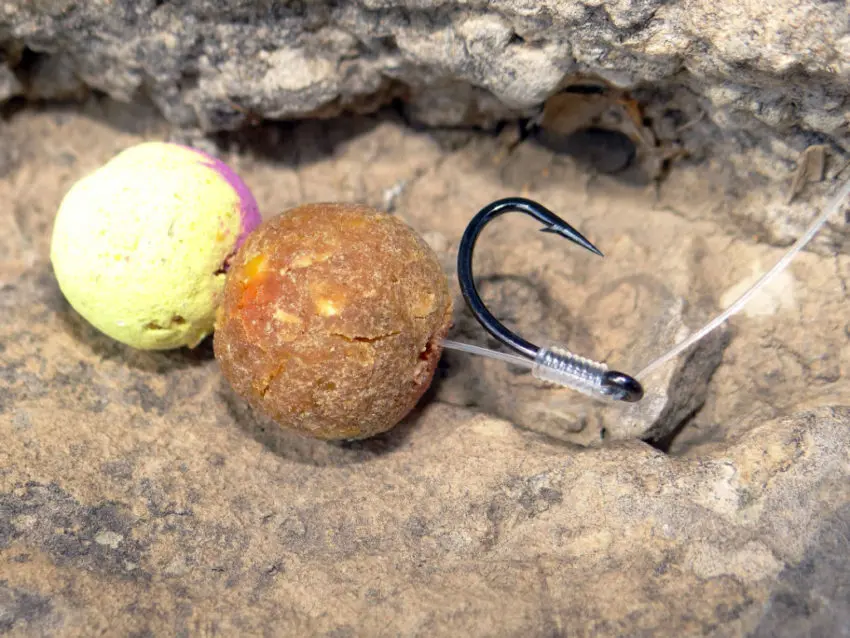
332	320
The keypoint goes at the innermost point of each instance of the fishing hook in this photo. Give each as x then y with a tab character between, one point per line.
554	364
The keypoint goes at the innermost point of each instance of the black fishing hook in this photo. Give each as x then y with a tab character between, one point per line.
614	384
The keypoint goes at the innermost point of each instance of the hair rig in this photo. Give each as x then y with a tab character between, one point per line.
560	366
552	364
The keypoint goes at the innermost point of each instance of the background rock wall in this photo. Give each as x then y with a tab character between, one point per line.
774	73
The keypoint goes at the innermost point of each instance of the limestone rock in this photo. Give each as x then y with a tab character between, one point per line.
139	496
760	70
753	87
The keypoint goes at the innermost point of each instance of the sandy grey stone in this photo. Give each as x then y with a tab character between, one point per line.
139	496
813	595
23	610
759	70
752	87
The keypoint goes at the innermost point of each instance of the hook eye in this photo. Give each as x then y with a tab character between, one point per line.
622	387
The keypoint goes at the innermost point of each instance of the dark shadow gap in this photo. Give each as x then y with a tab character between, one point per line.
665	443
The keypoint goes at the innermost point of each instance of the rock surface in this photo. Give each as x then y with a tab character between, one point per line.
138	496
770	79
766	71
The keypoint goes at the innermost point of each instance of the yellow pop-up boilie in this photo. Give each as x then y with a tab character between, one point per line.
140	246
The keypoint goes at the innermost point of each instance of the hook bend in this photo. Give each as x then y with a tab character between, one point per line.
552	364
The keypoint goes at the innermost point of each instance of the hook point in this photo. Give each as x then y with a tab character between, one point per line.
568	232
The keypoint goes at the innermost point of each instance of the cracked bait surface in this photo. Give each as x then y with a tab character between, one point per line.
331	320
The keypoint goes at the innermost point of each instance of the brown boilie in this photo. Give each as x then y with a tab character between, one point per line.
332	319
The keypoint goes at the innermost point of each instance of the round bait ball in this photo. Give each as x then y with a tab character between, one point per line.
332	320
141	245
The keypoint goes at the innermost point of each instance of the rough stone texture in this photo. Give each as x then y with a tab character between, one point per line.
756	68
139	496
822	575
767	78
